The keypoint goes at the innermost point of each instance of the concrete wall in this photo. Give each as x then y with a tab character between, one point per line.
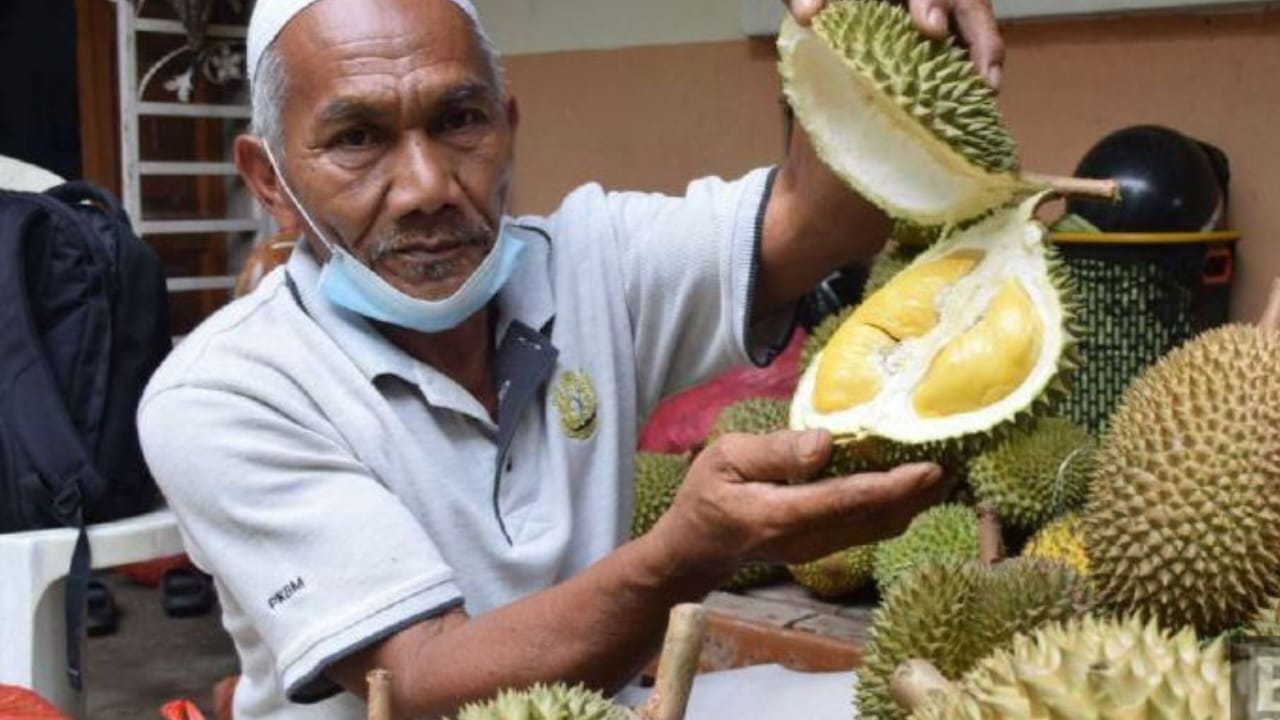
653	117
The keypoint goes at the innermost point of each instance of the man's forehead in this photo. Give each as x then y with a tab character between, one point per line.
270	17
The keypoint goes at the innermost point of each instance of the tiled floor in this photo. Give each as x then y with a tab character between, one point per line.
153	658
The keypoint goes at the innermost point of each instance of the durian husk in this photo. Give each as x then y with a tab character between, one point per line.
557	701
1091	668
943	532
1183	520
954	613
838	574
1036	473
658	477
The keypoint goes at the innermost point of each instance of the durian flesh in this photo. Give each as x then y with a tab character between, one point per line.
905	121
970	335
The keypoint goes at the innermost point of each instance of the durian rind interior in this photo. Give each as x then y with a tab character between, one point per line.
971	335
904	120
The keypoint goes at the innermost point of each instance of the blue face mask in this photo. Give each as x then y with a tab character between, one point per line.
349	283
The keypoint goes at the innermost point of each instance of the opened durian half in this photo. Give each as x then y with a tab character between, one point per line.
970	337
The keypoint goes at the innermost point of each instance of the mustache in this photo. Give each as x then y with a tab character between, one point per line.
475	234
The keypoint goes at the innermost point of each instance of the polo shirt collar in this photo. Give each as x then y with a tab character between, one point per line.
526	298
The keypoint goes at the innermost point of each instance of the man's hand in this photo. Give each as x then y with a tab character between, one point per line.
975	20
736	503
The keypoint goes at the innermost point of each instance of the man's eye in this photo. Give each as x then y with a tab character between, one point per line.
354	138
462	119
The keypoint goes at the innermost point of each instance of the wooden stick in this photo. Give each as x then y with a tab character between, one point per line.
915	681
990	537
1271	316
678	664
379	694
1085	187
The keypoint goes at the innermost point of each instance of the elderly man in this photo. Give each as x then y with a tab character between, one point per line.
412	446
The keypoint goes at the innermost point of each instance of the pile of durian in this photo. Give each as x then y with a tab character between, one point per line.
1133	557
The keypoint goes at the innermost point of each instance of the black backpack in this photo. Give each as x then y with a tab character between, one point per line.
83	324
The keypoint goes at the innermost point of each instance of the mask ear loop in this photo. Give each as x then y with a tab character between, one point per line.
288	191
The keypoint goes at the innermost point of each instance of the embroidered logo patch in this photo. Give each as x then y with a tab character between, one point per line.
575	399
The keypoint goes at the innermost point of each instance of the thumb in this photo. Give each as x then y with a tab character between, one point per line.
785	456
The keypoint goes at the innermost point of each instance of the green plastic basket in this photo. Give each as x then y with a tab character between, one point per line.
1140	296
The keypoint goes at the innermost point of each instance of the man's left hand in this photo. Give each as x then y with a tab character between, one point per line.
975	22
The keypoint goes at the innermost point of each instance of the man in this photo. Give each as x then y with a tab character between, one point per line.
411	448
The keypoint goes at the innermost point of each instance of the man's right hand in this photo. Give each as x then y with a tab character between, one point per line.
739	502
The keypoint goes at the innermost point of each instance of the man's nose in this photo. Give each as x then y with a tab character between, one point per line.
423	178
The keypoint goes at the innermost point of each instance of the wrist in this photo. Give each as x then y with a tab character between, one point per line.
667	561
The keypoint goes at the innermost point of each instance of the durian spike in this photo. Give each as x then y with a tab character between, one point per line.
1271	316
915	681
1073	186
678	664
990	535
379	694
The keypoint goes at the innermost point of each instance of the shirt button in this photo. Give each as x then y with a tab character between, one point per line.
510	464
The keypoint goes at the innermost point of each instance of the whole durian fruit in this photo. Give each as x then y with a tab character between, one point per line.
755	416
839	573
943	532
954	613
657	480
546	702
1062	540
1183	519
1092	669
1036	473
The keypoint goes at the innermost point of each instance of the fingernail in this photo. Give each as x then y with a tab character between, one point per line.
933	474
994	76
937	19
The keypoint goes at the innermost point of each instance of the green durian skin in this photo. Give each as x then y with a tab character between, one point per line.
755	416
658	477
1183	520
838	574
1093	668
932	81
546	702
943	532
954	613
1035	474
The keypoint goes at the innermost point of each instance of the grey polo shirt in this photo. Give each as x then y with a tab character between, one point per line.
339	490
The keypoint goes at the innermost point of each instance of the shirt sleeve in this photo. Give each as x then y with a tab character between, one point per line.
320	556
689	266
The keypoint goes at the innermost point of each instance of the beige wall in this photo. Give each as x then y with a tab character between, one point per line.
652	118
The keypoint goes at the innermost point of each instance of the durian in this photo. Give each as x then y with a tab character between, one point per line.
754	574
1092	669
953	614
893	259
1183	519
1062	540
657	480
546	702
1036	473
906	121
967	343
821	335
944	532
755	416
839	573
1266	621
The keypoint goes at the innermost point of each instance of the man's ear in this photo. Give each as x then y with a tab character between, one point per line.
260	176
513	113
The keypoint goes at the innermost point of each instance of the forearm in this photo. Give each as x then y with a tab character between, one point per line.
599	627
814	225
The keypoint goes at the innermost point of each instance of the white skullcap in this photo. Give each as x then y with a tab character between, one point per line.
270	17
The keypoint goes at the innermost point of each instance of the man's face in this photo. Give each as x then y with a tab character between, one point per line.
395	140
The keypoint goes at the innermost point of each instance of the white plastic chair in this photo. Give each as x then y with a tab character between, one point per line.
33	568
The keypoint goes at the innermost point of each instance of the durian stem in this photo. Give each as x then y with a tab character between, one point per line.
678	664
915	681
990	535
1271	316
1068	186
379	694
